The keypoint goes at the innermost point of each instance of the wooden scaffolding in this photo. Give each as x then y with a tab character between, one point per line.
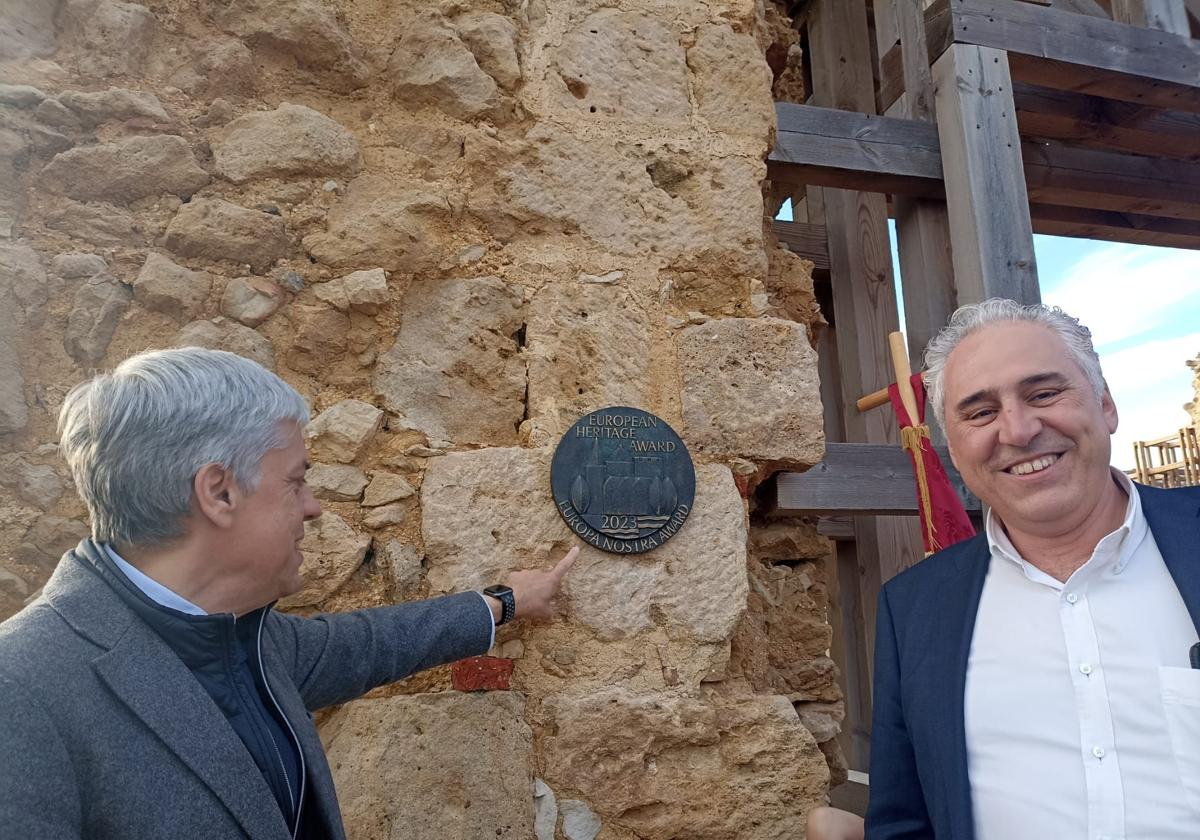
973	124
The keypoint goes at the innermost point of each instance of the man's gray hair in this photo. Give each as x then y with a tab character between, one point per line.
136	437
967	319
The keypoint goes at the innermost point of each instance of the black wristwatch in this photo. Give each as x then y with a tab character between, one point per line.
504	595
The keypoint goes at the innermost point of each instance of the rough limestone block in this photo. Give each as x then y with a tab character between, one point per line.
212	229
386	487
750	390
644	759
34	484
579	821
402	562
109	37
54	536
250	300
125	170
488	511
385	516
100	224
382	223
14	415
14	158
342	431
336	482
222	334
588	345
454	371
219	68
292	140
431	66
332	552
78	265
94	108
481	673
163	286
97	308
492	39
627	65
732	82
449	765
306	30
23	285
27	28
362	291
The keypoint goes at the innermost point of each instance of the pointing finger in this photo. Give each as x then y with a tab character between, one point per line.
564	565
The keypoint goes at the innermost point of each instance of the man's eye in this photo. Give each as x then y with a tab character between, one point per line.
1046	395
981	414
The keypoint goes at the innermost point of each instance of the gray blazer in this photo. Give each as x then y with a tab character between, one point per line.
104	733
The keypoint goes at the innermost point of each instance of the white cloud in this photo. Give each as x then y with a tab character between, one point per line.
1120	290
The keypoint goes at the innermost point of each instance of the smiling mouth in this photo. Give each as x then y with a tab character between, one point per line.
1036	465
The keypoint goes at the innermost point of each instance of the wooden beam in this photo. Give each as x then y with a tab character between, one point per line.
1163	15
856	479
1115	227
1059	49
1106	123
990	233
806	240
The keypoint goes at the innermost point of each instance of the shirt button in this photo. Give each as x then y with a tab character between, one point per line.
1072	597
1098	752
1085	668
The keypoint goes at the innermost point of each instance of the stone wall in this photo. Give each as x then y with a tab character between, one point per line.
1193	407
454	227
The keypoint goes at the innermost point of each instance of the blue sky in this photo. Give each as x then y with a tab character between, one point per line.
1142	305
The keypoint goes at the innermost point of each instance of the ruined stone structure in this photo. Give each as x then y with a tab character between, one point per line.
455	227
1193	407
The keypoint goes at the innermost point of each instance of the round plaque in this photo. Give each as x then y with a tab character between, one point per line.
623	480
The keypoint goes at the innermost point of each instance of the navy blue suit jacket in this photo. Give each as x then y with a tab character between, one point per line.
926	618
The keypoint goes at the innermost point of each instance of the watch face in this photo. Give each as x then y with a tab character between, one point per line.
497	590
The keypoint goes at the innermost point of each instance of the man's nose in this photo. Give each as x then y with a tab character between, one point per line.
312	507
1019	424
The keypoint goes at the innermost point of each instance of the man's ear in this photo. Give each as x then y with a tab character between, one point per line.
1109	407
217	494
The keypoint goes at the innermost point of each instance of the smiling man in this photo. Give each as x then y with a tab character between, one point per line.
1034	682
152	691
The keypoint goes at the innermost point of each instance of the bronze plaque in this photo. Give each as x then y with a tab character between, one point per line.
623	480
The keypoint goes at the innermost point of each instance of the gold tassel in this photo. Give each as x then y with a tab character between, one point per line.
910	439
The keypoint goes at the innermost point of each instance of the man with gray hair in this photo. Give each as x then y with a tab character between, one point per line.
1041	680
151	690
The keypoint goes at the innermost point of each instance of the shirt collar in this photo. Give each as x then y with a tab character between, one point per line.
1114	550
152	589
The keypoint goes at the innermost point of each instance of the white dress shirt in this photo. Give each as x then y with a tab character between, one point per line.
1082	714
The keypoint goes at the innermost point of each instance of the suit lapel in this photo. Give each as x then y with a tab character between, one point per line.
147	676
1174	519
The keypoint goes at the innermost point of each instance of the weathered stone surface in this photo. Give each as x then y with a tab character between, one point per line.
128	169
212	229
21	96
94	108
454	371
221	334
750	389
481	673
53	113
1193	406
14	158
319	337
53	536
78	265
14	415
102	225
27	28
695	584
222	68
108	36
463	761
587	345
381	223
336	482
386	516
332	552
789	287
98	306
250	300
627	65
732	82
33	484
306	30
579	821
163	286
403	564
362	291
431	66
386	487
23	285
644	758
342	431
492	39
292	140
545	811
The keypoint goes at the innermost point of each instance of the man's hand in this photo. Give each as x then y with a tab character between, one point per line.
534	589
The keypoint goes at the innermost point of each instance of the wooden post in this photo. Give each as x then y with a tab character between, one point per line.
1165	15
991	235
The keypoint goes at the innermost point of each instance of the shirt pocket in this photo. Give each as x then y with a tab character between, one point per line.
1181	703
